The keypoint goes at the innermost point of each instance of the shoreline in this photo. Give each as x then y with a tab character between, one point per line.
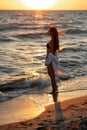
73	113
27	107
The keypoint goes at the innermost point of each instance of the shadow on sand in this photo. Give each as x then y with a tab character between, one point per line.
58	113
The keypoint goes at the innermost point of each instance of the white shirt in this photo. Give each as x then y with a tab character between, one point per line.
54	60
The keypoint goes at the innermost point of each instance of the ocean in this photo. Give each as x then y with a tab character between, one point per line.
23	39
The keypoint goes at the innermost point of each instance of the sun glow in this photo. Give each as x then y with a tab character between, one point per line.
38	4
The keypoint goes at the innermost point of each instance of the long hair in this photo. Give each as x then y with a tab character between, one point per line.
55	38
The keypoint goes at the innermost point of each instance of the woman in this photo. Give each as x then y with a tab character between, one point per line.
51	58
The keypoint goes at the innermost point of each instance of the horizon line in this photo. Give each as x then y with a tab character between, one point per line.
43	10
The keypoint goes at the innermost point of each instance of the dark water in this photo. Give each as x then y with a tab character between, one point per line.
23	42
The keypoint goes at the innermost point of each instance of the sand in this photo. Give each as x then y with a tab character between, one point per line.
66	115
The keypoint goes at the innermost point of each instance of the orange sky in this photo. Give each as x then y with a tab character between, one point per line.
59	5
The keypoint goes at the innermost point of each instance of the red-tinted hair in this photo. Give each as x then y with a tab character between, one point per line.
55	38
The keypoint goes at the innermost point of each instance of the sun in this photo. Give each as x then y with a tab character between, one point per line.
38	4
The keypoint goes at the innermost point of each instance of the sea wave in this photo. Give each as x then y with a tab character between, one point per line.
73	49
39	86
4	97
75	31
8	26
6	39
26	26
36	82
30	35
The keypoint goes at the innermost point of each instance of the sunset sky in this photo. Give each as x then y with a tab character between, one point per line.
58	5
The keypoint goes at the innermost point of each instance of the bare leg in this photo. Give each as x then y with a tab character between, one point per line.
52	76
53	82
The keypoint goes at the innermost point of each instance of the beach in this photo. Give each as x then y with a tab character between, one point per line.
25	86
72	112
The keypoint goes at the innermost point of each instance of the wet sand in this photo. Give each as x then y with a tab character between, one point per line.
66	115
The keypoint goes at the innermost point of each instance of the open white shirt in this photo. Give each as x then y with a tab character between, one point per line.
55	64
